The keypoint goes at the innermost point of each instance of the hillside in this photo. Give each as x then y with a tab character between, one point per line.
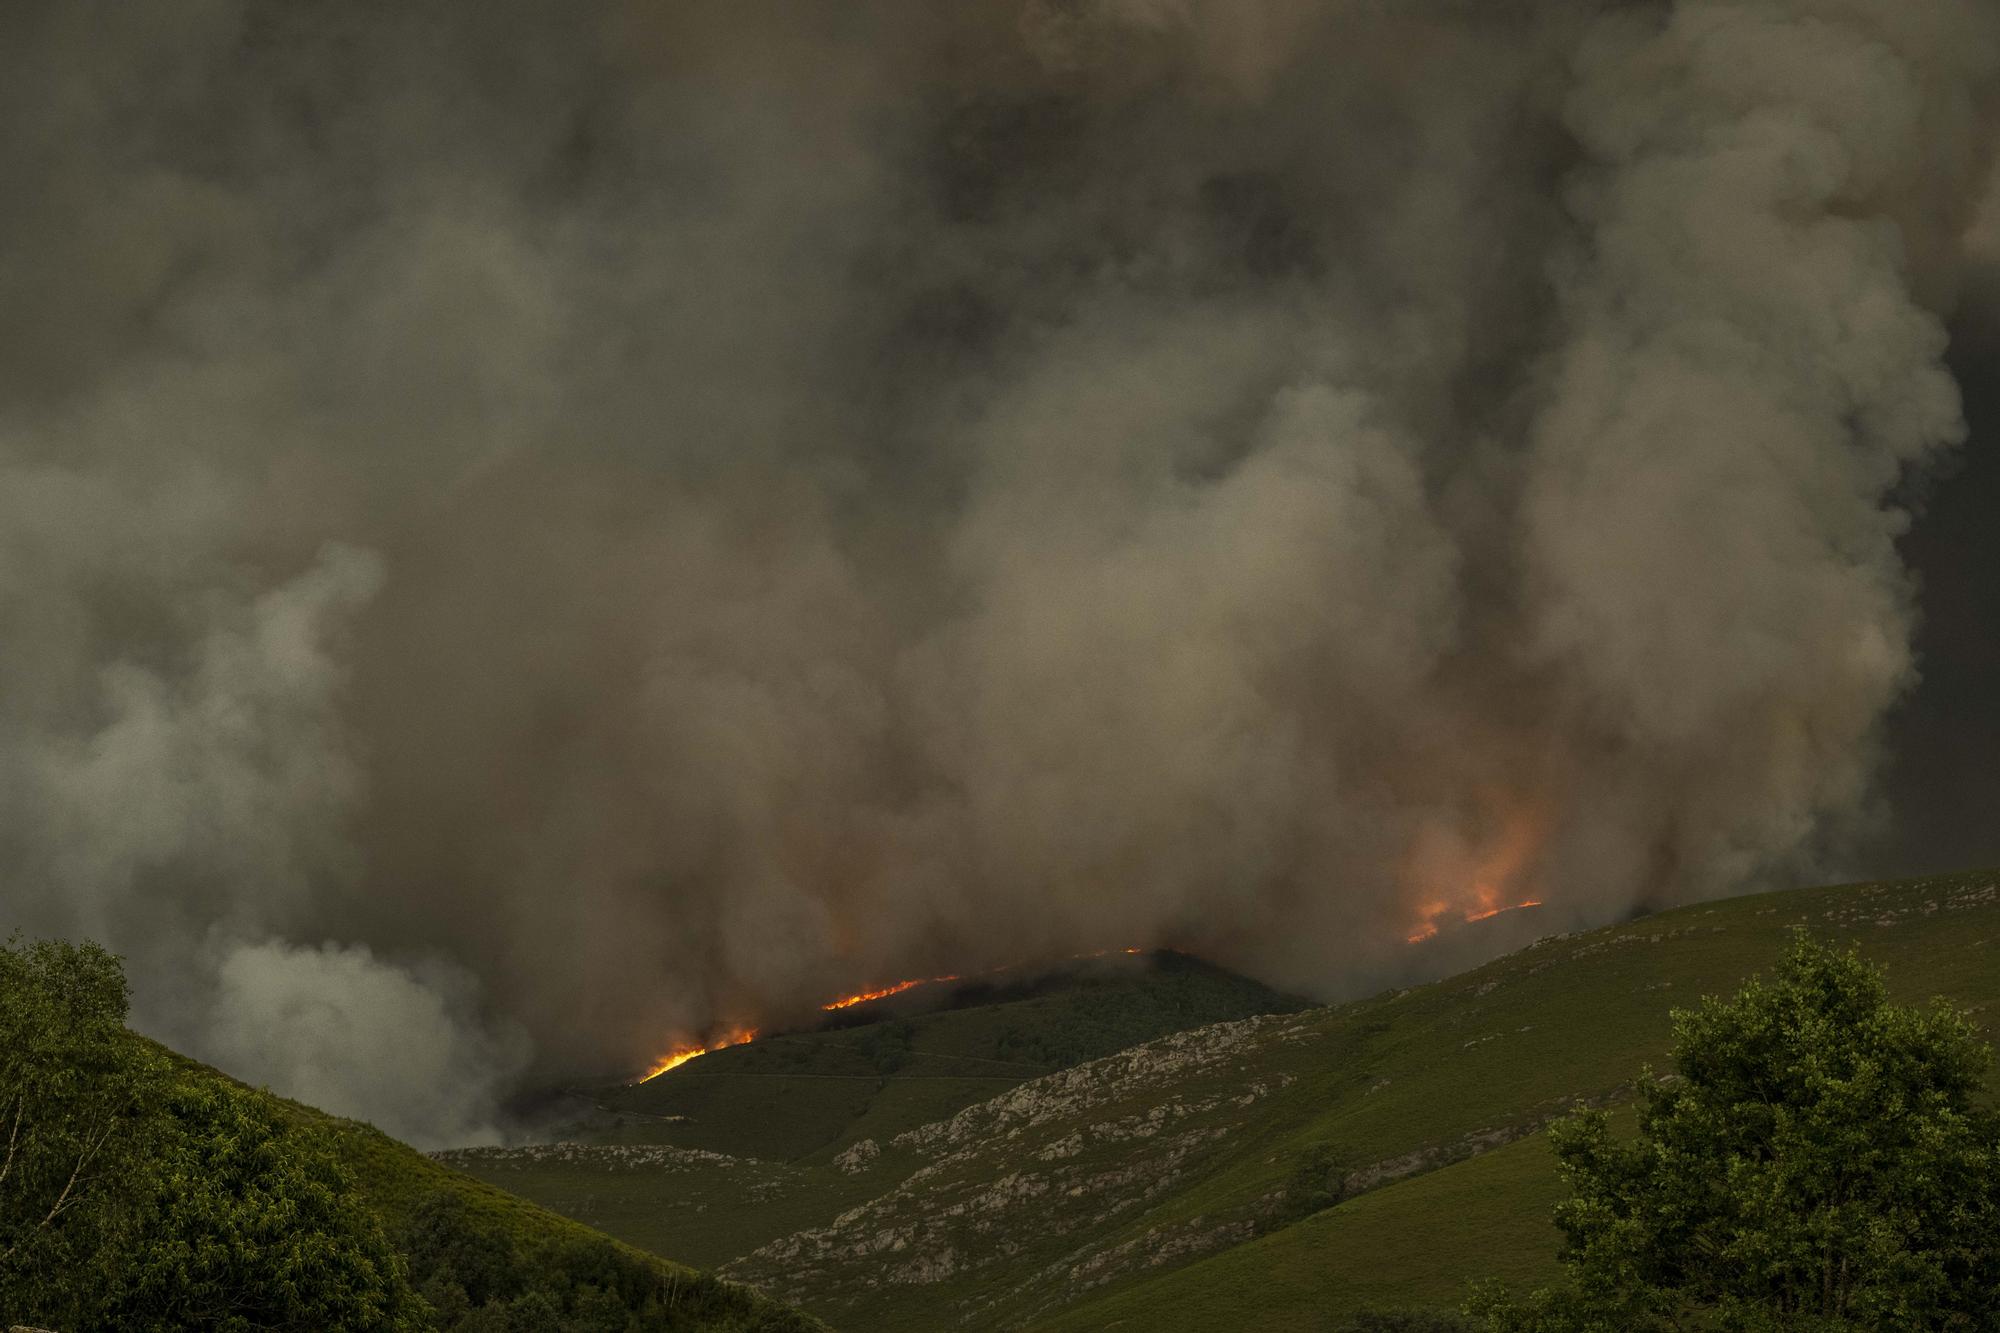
410	1192
1422	1239
878	1069
1186	1183
715	1158
1414	1243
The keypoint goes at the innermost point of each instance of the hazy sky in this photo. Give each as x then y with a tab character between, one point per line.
534	531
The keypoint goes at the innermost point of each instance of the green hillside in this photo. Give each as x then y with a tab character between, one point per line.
147	1190
875	1072
725	1153
1378	1250
1281	1170
1423	1240
410	1191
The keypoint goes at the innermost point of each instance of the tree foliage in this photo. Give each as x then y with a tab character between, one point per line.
138	1195
76	1099
253	1223
1819	1162
479	1280
140	1192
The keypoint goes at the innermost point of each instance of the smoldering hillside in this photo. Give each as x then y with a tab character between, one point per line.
532	529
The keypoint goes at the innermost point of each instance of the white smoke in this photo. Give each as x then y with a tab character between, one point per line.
592	523
206	802
344	1031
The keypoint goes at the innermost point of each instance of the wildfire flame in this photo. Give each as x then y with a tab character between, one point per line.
849	1001
680	1055
897	988
1496	911
1433	913
1496	873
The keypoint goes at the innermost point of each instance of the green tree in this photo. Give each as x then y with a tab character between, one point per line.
135	1195
76	1124
254	1223
458	1263
1819	1162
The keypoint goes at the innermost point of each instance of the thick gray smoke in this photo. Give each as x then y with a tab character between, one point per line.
529	530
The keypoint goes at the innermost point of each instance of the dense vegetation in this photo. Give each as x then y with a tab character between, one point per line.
478	1279
136	1194
1819	1160
138	1190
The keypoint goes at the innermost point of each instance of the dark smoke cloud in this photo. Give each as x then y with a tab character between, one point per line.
533	529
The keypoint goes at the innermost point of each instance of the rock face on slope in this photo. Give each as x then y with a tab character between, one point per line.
1044	1174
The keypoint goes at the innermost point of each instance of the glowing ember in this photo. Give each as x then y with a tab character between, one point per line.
680	1055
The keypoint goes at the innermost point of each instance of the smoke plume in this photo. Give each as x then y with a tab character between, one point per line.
533	530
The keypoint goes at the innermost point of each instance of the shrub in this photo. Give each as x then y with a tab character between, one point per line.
1821	1162
133	1195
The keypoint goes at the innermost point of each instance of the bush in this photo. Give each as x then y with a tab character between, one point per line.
1821	1162
136	1196
253	1223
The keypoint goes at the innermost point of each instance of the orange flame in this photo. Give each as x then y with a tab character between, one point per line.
680	1055
849	1001
1496	870
1496	911
897	988
1435	912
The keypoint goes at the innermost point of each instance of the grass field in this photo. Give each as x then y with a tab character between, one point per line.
1380	1250
1174	1185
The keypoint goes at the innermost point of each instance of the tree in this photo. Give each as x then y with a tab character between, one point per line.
1819	1162
254	1223
459	1265
75	1127
136	1195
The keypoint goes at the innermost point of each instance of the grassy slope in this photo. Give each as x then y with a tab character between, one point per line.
782	1108
1593	1008
1381	1250
668	1201
395	1178
1080	1196
808	1095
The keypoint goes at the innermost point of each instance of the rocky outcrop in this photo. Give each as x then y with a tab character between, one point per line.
1054	1166
614	1156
